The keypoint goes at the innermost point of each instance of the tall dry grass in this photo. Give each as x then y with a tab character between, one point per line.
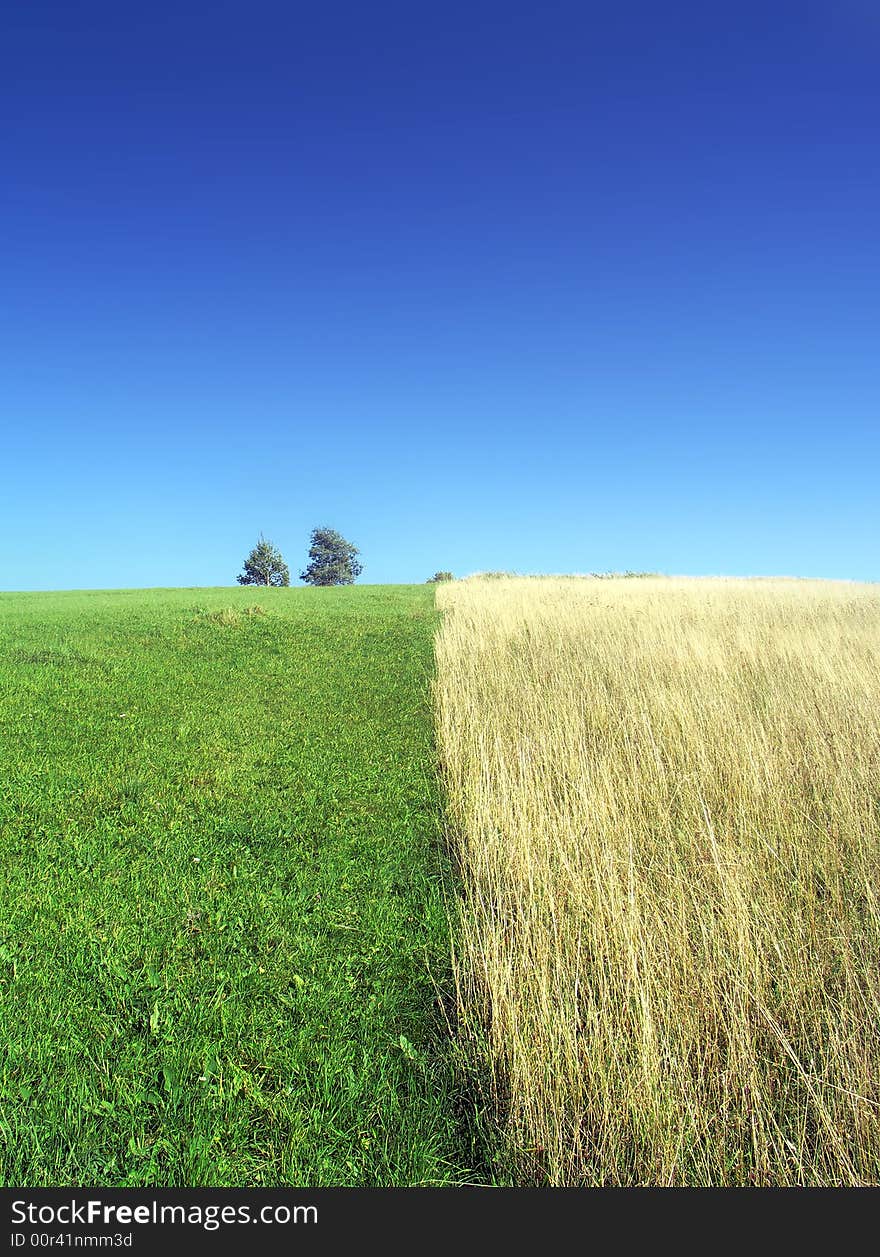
666	800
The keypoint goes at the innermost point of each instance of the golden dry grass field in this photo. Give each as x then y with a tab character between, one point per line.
666	799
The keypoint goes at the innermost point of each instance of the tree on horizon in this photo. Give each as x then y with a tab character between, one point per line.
332	559
264	566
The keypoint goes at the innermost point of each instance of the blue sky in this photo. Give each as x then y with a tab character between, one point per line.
549	287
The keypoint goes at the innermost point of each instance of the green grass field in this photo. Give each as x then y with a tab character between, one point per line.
223	942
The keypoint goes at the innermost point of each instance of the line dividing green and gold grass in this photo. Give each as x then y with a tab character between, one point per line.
607	915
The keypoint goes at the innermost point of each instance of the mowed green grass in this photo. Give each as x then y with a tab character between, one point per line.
223	942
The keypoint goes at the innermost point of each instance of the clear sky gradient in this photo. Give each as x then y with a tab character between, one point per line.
547	287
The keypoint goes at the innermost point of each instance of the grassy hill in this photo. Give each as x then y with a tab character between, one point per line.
232	952
222	931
